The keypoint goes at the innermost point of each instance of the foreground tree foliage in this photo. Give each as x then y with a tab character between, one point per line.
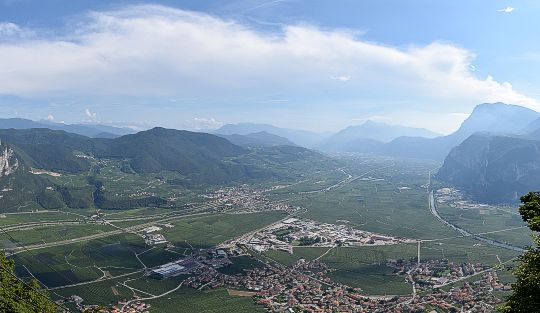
18	297
526	290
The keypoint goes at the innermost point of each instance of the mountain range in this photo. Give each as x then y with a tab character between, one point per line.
302	138
200	159
494	118
493	155
396	140
201	155
258	140
89	130
350	138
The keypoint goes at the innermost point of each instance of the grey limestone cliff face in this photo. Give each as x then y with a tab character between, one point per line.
494	169
8	161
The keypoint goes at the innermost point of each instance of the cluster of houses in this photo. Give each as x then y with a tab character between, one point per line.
434	273
247	200
475	297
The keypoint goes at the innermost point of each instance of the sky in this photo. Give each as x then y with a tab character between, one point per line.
319	65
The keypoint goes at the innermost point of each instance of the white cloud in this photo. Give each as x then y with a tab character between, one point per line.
341	78
11	31
50	117
506	10
160	51
203	123
90	114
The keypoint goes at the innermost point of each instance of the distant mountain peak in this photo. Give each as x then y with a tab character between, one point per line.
369	133
300	137
88	130
492	105
498	106
265	133
258	140
370	122
497	118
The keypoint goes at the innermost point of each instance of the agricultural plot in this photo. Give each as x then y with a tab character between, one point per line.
240	264
106	292
125	185
282	257
320	181
85	261
82	261
210	230
486	220
372	279
377	205
214	301
39	235
35	217
73	181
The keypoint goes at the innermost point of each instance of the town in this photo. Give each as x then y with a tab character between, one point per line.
245	199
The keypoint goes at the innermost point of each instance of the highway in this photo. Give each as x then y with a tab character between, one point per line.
347	180
463	232
23	248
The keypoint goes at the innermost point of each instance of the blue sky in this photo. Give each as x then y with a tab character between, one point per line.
318	65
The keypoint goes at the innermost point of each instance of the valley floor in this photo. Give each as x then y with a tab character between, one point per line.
374	236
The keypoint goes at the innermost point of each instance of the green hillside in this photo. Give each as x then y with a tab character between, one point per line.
60	169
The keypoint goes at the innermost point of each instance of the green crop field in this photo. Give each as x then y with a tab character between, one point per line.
215	301
82	261
32	217
54	233
281	257
211	230
492	219
372	279
241	264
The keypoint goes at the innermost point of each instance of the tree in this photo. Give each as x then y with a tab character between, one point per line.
19	297
526	290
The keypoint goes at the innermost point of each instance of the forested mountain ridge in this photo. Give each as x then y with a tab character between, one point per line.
196	158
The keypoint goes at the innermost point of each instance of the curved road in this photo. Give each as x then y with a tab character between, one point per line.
463	232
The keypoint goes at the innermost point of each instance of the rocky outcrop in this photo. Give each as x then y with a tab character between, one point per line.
8	161
494	169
